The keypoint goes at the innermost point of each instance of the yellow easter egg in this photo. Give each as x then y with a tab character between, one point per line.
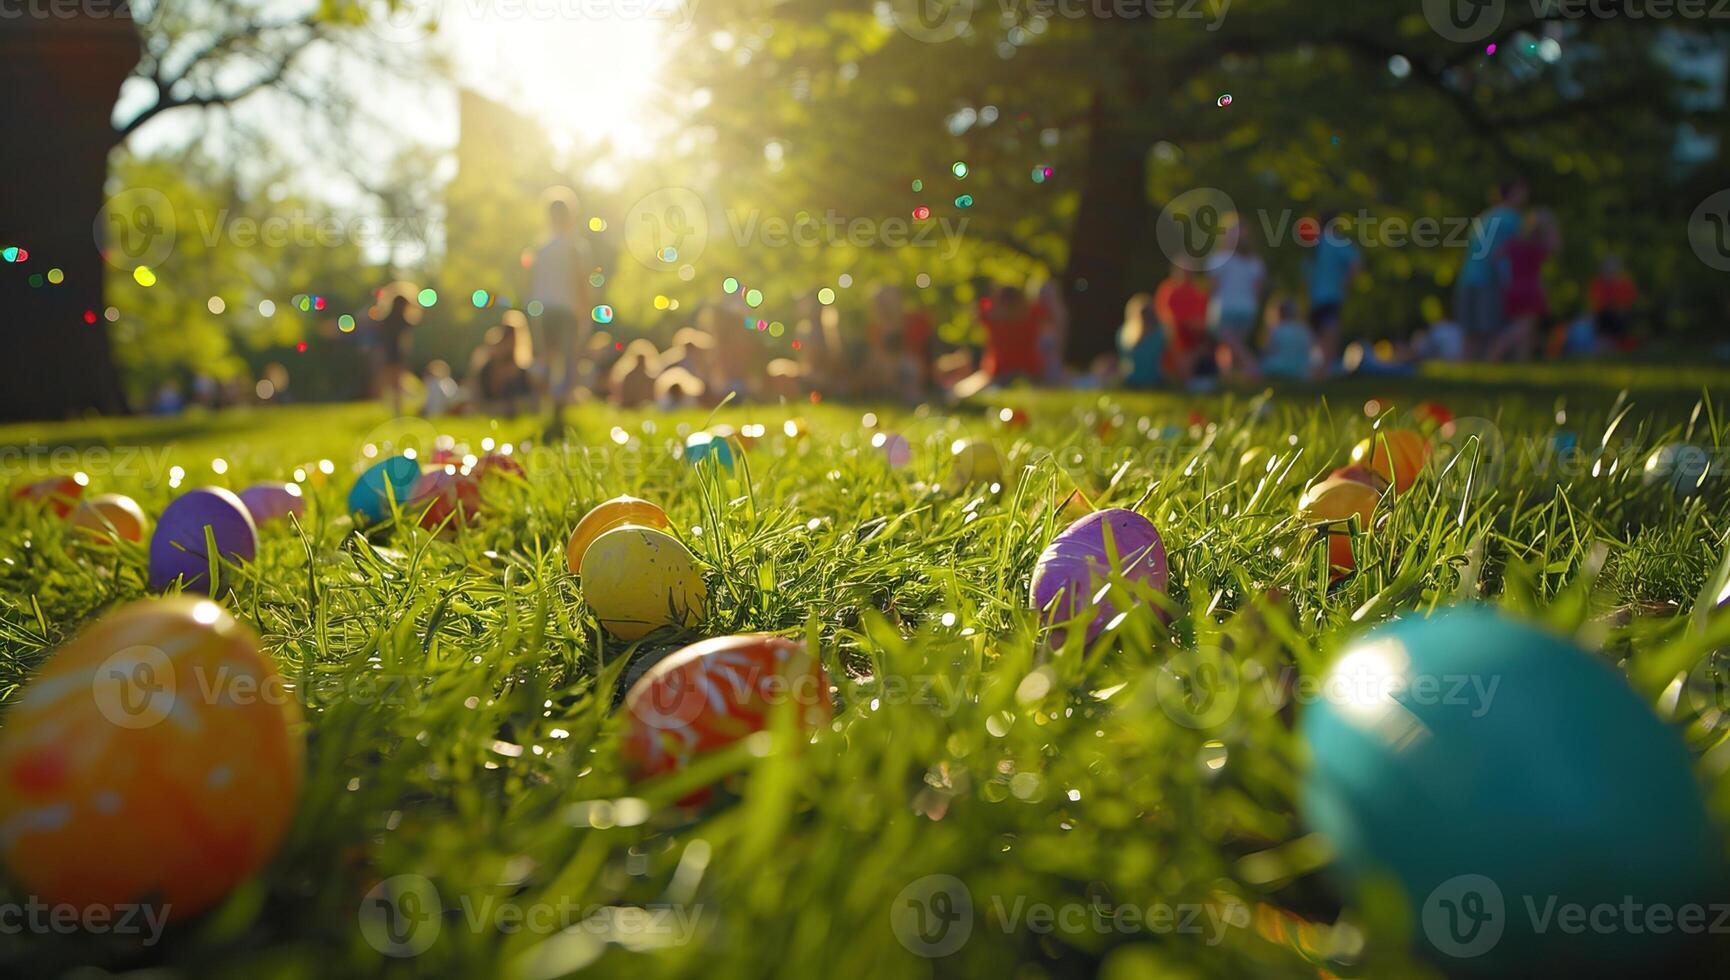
108	516
603	518
156	757
637	579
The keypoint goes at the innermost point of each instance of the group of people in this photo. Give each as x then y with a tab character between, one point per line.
1220	319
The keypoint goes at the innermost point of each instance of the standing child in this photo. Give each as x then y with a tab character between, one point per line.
1182	310
1525	303
1012	329
1237	287
559	290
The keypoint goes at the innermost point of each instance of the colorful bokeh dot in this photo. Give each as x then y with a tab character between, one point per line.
602	314
826	296
964	201
921	212
56	277
959	169
428	297
345	323
480	298
729	285
753	298
143	276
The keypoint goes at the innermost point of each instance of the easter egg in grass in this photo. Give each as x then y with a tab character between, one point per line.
268	502
180	545
701	446
385	483
1331	505
498	464
154	758
1685	469
1493	770
638	579
1084	557
108	517
605	516
714	693
59	493
444	498
1361	474
1398	455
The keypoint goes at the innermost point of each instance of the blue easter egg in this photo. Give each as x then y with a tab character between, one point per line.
384	481
1504	777
704	446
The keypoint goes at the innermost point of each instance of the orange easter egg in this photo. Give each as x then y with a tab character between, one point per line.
108	516
60	493
606	516
156	757
1398	455
714	693
1332	504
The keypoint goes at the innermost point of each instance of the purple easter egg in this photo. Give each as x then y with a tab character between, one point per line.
177	549
1076	565
267	502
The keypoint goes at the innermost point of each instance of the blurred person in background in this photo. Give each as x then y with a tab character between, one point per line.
1483	279
1141	343
1524	302
1236	304
499	378
392	329
559	289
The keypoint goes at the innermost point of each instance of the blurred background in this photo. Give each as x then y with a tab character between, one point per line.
201	199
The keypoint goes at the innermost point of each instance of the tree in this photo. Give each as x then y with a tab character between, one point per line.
60	77
1363	107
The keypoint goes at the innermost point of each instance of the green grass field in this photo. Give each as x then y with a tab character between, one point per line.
459	692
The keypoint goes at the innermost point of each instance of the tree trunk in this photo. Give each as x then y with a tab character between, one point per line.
1112	226
59	78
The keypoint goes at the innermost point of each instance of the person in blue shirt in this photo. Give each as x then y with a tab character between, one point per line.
1141	343
1483	278
1331	268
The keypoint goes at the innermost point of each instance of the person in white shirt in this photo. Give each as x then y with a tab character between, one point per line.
560	291
1236	304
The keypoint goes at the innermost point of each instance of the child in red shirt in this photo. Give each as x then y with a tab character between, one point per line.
1182	310
1612	295
1012	330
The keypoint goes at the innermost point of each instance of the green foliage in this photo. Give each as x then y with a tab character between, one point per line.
962	745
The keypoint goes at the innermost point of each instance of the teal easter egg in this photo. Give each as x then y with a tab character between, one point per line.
384	481
1509	782
702	446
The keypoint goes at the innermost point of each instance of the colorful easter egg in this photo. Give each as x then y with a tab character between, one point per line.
59	493
155	758
1398	455
714	693
268	502
179	547
701	446
1494	770
108	517
498	464
1331	504
604	517
444	498
637	579
1683	468
385	482
1361	474
1432	414
1082	559
973	463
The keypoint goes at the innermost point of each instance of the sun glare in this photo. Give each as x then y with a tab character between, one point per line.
590	78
